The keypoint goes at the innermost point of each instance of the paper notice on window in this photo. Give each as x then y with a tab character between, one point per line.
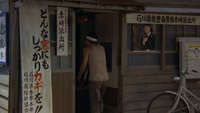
194	52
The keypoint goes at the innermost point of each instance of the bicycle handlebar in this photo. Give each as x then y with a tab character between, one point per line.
194	71
186	72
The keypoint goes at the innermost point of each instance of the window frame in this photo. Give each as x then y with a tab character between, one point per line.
163	52
71	41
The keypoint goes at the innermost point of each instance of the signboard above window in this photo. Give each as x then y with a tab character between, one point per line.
163	19
4	36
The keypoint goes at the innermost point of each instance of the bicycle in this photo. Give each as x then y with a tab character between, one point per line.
172	102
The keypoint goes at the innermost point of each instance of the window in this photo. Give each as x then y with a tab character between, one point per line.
59	62
137	54
165	54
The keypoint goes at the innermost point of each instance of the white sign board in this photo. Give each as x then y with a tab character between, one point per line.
142	18
3	38
62	31
190	56
35	59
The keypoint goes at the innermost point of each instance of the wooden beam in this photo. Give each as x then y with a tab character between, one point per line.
120	65
124	45
163	49
110	2
88	5
14	58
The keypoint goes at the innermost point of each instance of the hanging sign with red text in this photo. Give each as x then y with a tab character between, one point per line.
35	59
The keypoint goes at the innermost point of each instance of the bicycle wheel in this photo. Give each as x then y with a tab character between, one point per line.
162	103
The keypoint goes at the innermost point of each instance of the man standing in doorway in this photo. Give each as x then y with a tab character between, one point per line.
94	56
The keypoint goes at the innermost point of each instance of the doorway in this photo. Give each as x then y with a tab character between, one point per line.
106	26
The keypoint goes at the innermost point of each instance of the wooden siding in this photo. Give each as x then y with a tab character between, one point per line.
62	87
109	98
4	93
139	89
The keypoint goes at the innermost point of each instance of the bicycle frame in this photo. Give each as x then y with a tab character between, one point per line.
179	94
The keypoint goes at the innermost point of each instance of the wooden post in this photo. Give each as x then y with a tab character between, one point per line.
14	70
163	49
123	59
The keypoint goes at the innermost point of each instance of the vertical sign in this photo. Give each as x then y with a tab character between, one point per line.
35	59
62	31
4	34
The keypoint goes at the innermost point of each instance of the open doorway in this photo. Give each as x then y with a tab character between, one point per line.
106	26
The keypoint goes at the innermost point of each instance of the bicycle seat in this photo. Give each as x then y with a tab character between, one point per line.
176	78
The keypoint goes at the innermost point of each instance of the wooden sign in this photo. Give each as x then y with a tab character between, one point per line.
35	59
62	31
162	19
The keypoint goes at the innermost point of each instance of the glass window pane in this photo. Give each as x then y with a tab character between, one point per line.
67	60
190	31
157	31
140	60
180	31
129	37
180	28
136	34
53	27
70	28
171	59
54	59
170	37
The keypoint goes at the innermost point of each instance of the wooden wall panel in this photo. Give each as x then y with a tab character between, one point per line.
139	89
4	103
111	96
3	110
4	93
55	92
4	90
67	92
62	92
4	79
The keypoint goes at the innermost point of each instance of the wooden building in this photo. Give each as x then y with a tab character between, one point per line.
135	76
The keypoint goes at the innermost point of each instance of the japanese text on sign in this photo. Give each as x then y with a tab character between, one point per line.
35	59
62	31
165	19
162	19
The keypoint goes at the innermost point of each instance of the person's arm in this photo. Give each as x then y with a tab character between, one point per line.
84	63
86	87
